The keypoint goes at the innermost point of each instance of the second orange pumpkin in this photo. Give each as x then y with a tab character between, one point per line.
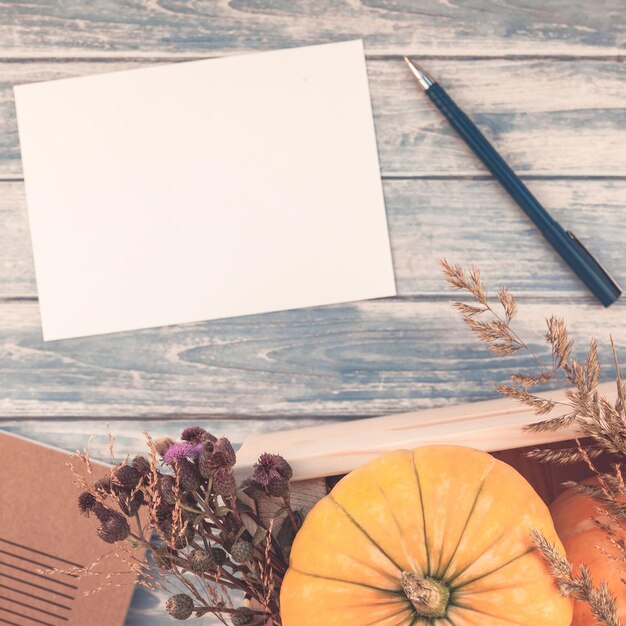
585	543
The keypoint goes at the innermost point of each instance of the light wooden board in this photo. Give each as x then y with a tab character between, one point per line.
542	114
545	81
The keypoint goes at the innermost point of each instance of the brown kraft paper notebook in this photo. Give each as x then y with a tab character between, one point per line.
41	528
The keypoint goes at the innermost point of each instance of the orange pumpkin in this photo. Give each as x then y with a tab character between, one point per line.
436	536
584	542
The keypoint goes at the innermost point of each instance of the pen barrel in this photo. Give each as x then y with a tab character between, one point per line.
472	136
570	249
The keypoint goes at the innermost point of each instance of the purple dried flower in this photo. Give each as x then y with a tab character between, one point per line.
271	467
184	450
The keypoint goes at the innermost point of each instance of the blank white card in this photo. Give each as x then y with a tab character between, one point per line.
204	190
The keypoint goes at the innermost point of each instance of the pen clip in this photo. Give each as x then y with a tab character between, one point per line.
595	261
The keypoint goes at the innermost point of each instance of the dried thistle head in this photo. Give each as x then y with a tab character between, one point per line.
196	434
179	606
162	445
86	502
223	454
270	467
183	450
113	525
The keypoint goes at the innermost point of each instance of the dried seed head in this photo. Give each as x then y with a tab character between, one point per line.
201	561
188	474
253	489
270	467
130	503
163	444
103	485
102	512
142	465
224	482
179	606
167	488
195	434
114	527
223	453
125	476
283	467
162	557
278	487
242	617
86	502
163	511
241	552
204	460
177	537
219	556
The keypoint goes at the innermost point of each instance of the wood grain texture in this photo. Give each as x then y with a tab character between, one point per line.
184	27
543	115
362	359
430	219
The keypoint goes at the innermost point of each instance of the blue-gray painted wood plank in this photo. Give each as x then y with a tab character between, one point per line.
361	359
191	27
545	81
429	219
543	115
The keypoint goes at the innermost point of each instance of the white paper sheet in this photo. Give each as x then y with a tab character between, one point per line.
204	190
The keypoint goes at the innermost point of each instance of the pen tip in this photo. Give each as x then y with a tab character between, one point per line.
423	77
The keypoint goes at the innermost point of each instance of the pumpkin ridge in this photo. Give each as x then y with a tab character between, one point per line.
469	517
407	552
377	621
491	546
419	487
456	548
503	619
352	582
493	571
365	533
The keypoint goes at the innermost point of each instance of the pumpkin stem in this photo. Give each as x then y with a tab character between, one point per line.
428	596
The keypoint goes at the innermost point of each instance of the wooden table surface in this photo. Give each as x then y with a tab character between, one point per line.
546	81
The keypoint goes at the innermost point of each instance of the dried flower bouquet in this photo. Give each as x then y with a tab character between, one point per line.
183	507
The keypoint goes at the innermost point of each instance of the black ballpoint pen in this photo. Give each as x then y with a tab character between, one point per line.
563	241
